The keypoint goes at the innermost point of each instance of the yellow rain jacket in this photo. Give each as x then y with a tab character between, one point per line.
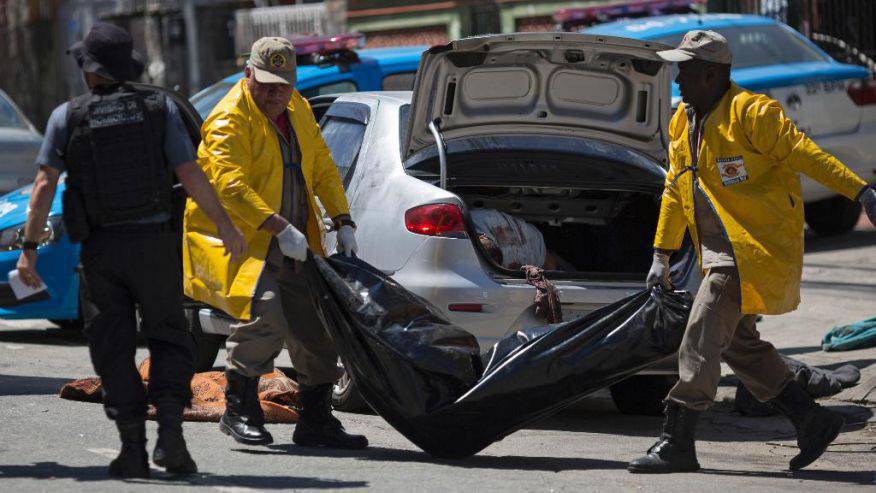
749	162
240	154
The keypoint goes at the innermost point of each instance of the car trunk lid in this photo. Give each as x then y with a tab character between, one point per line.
569	84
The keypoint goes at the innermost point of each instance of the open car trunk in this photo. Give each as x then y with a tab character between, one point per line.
595	204
564	131
587	233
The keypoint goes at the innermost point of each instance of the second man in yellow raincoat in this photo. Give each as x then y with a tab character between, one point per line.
734	185
262	149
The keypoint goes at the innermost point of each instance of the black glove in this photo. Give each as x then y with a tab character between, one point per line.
867	197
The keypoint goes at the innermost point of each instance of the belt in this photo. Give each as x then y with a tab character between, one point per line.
135	228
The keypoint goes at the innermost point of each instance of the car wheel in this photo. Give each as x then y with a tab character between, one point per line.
346	396
642	394
832	216
208	345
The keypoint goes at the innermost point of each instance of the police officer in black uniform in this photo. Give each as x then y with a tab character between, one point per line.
118	145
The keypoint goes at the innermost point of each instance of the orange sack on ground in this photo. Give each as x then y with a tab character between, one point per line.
278	395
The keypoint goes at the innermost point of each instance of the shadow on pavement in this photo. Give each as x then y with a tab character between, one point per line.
852	239
848	477
53	470
840	266
793	351
720	424
49	337
548	464
842	286
857	363
25	385
506	462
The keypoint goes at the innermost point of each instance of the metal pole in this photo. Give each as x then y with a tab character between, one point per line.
192	52
442	154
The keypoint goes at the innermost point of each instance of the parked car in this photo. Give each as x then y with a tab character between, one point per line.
565	131
326	64
19	144
834	103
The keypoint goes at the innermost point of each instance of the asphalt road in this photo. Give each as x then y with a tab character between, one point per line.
50	444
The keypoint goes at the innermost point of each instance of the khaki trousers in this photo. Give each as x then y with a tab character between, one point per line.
717	329
282	312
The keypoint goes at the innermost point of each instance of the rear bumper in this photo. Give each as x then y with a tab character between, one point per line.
447	271
57	266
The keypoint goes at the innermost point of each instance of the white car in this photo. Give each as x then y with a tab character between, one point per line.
562	130
19	144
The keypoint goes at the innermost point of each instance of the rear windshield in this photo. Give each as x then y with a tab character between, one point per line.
756	46
205	100
8	116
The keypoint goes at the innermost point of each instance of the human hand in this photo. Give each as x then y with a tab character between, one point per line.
868	199
293	243
233	240
659	272
347	240
27	269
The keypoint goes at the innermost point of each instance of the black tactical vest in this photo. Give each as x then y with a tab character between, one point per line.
115	162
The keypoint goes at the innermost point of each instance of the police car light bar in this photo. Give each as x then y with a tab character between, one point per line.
308	45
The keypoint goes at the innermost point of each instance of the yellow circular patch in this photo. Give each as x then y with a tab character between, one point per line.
278	60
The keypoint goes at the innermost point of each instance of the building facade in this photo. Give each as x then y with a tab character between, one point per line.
405	22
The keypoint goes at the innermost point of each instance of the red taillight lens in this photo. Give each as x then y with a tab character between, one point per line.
436	220
466	307
862	92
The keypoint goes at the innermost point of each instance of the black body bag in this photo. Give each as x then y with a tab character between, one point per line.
427	378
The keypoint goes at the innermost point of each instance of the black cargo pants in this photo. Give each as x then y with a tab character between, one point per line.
137	267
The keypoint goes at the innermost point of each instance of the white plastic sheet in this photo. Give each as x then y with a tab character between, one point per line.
521	243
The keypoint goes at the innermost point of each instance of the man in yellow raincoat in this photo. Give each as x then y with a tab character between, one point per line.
733	183
262	150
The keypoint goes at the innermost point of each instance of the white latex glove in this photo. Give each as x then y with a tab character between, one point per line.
659	272
868	199
293	243
347	240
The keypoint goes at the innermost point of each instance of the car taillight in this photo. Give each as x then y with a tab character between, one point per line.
466	307
862	92
436	220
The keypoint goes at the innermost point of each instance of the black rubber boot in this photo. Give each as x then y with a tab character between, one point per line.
675	451
317	427
816	426
133	461
244	420
170	449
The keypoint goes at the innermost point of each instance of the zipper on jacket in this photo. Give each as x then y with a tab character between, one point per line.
695	184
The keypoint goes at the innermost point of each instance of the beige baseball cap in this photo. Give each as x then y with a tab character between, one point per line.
272	60
708	46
